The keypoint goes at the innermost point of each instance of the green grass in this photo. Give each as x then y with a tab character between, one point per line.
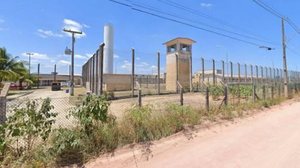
139	125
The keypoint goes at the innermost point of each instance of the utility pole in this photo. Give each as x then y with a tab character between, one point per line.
29	60
72	59
286	94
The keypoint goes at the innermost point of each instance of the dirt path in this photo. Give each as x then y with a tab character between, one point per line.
267	139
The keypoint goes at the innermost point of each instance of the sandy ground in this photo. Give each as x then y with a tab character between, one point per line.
267	139
59	99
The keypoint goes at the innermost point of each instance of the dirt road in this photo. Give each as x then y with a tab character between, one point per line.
267	139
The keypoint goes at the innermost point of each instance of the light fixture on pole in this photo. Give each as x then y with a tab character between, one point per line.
71	51
29	60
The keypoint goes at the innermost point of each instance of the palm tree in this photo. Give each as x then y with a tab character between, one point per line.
11	69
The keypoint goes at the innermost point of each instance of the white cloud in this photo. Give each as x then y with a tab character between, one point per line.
81	56
67	24
64	62
116	56
73	25
86	26
206	5
38	56
48	33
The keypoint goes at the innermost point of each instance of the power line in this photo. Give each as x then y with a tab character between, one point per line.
198	13
184	23
200	23
277	14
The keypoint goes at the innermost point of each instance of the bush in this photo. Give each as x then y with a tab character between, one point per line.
97	128
24	131
68	147
28	124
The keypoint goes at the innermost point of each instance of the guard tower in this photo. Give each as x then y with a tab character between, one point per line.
179	63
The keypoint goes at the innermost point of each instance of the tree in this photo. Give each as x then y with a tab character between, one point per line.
12	69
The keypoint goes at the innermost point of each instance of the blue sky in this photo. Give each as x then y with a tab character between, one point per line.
36	26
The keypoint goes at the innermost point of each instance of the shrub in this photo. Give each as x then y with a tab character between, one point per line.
28	124
68	147
92	112
99	128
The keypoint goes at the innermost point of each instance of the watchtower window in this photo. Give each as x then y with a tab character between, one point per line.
184	47
172	48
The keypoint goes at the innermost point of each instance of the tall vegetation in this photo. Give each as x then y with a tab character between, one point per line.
12	69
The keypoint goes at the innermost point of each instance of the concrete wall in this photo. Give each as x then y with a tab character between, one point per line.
183	70
116	82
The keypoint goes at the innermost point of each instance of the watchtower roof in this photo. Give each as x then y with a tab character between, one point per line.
181	40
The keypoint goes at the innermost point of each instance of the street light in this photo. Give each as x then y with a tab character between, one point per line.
29	60
68	52
267	48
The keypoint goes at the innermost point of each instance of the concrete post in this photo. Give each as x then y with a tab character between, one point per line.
202	63
214	72
132	72
2	109
223	71
158	73
101	67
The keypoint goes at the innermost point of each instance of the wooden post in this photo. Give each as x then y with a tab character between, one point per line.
207	99
181	96
132	72
140	97
226	95
101	67
158	73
